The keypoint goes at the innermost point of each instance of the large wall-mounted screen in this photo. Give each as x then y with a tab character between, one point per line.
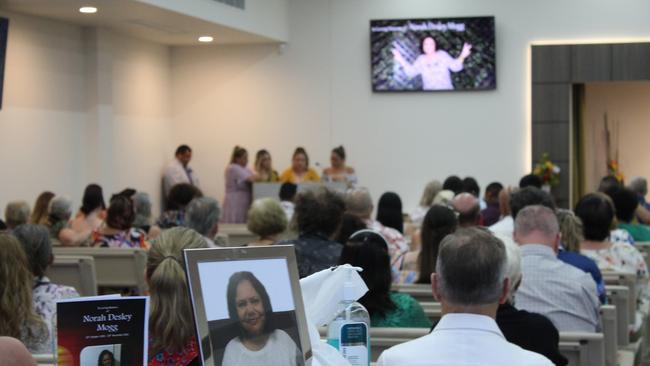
433	54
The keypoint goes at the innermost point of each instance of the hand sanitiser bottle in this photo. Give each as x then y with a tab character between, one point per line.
349	332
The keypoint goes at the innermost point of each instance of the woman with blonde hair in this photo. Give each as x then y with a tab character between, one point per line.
426	201
571	230
39	214
264	167
17	316
172	340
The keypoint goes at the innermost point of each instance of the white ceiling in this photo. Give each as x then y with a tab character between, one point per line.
134	18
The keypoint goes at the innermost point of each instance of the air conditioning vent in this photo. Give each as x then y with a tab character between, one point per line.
240	4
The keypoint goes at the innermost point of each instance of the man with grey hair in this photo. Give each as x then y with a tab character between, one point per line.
16	213
639	185
359	203
202	214
468	208
561	292
470	283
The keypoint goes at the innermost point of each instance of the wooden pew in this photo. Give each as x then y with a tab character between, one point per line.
115	267
75	271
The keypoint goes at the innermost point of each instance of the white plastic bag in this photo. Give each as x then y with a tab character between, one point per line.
321	293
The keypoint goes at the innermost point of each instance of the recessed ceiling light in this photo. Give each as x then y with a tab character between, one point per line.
206	39
88	9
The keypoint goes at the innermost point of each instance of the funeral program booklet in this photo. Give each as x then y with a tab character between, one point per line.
102	331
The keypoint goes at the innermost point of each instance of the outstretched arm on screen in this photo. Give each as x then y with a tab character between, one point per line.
408	68
457	64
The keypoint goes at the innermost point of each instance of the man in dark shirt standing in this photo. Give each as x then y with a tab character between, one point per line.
317	215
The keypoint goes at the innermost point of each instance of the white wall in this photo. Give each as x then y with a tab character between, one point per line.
43	111
82	105
267	18
317	93
626	104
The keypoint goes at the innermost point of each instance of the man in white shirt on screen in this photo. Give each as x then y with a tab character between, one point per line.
470	283
179	171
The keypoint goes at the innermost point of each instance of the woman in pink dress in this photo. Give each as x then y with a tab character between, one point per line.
238	188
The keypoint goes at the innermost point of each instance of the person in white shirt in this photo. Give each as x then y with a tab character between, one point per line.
179	171
470	283
519	199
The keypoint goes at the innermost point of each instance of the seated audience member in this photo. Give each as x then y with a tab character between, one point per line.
172	340
14	353
35	240
453	183
350	224
118	231
608	183
492	211
426	201
267	220
470	185
571	231
444	198
179	196
58	216
299	172
639	185
202	216
470	283
468	209
597	213
16	213
389	211
368	249
19	319
143	221
318	217
530	331
287	197
518	200
626	203
559	291
339	171
530	180
358	202
92	212
39	214
264	167
439	222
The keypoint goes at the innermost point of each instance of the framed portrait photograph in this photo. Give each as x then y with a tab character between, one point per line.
248	306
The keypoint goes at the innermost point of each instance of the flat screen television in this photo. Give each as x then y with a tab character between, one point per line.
437	54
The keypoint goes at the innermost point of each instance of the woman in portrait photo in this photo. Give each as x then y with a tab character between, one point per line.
259	342
106	358
433	65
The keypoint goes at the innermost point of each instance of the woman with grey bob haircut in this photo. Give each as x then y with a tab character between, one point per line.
16	213
267	219
59	212
202	214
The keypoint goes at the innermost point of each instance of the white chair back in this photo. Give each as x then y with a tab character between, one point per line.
619	297
610	333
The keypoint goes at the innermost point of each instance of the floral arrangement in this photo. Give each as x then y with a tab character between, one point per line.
547	171
614	170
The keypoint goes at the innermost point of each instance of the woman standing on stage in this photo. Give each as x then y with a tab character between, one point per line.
238	188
